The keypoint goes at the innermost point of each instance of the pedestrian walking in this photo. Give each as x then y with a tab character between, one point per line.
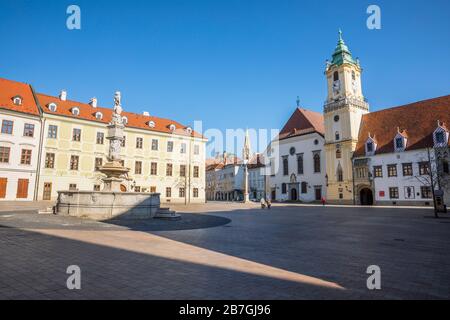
323	201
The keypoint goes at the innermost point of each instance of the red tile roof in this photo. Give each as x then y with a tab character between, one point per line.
302	122
417	121
87	112
10	89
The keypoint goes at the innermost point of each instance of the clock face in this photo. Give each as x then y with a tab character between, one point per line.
354	86
336	87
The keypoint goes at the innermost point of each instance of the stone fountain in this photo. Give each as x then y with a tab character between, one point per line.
111	202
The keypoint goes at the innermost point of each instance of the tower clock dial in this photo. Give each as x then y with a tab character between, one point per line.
336	87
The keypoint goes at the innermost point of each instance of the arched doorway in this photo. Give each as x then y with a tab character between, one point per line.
294	196
366	197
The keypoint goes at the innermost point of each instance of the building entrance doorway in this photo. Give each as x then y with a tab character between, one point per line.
366	197
294	194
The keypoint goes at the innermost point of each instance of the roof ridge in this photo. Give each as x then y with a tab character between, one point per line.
409	104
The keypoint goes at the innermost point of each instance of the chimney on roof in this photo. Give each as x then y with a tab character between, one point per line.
63	95
93	102
146	113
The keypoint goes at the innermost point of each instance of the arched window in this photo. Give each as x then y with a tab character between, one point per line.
99	115
337	135
285	166
338	153
353	75
335	76
52	107
340	173
316	163
75	111
300	164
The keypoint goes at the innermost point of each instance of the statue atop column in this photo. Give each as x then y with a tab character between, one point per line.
117	114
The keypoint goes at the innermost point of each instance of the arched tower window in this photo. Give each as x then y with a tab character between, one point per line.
337	136
335	76
353	75
338	154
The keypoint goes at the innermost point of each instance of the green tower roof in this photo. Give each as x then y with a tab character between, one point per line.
342	54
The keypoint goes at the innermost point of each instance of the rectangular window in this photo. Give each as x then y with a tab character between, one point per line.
123	142
100	137
137	189
196	171
168	192
392	170
393	193
7	126
169	168
424	168
28	130
76	135
4	154
122	163
152	189
96	187
304	187
52	131
407	169
154	144
49	160
183	148
440	138
195	192
182	170
25	157
285	166
169	146
196	149
426	192
283	188
369	146
399	143
378	171
74	161
138	167
139	143
153	168
98	163
181	192
73	187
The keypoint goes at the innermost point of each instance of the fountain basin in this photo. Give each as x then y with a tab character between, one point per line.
106	205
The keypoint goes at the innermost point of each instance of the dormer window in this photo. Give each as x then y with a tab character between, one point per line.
52	107
189	130
151	124
98	115
17	100
440	136
125	120
400	142
371	146
172	127
75	111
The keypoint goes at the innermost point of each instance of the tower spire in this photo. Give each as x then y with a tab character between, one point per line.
341	53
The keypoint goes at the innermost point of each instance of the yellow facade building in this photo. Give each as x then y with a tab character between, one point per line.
163	155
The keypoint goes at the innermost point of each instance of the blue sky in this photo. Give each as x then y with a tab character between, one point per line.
233	63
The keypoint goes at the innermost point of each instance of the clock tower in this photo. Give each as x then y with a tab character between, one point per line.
343	109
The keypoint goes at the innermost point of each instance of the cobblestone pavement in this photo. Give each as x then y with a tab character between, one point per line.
221	251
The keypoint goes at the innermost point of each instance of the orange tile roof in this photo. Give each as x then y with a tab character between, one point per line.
10	89
416	121
301	122
87	112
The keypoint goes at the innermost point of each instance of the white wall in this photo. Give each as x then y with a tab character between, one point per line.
383	184
13	170
303	144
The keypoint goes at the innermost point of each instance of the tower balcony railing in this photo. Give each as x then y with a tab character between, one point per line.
334	105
